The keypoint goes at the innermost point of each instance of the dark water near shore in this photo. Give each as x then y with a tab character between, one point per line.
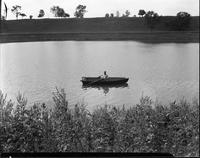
162	71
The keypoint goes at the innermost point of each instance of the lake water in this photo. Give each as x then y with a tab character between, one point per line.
164	72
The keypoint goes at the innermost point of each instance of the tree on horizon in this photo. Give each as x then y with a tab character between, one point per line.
22	15
15	10
59	12
117	14
0	15
127	13
0	9
80	11
181	22
151	19
107	15
141	12
41	13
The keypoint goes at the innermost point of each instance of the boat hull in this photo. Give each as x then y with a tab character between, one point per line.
103	81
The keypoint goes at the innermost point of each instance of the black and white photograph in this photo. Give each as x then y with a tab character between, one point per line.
99	77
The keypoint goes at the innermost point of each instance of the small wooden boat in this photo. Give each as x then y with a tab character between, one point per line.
103	81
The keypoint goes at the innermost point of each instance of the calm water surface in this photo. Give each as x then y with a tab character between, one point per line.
162	71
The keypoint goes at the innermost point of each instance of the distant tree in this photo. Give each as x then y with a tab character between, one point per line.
66	15
3	18
22	15
31	16
183	20
15	10
149	14
6	10
41	13
107	15
141	12
123	15
151	19
180	23
183	15
0	11
80	11
58	12
117	14
111	15
127	13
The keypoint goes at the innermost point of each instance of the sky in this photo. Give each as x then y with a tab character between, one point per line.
98	8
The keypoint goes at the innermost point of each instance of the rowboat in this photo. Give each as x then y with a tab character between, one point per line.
103	81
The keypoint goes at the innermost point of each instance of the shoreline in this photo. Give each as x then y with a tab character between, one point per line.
146	37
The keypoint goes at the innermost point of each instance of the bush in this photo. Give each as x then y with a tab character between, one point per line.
145	127
152	19
180	23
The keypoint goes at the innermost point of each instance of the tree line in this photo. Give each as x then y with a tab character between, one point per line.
151	18
55	10
180	22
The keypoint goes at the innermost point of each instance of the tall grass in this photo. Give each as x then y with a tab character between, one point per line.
145	127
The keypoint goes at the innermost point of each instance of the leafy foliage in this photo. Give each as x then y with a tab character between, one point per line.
0	12
151	19
22	15
127	13
80	11
41	13
111	15
107	15
145	127
117	14
59	12
181	22
16	10
141	12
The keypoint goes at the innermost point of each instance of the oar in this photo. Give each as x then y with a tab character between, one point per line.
95	81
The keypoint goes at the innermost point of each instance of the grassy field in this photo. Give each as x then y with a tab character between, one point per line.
146	127
96	29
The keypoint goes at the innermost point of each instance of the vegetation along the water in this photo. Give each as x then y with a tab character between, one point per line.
145	127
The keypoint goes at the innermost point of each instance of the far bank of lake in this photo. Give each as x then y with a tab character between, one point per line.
118	29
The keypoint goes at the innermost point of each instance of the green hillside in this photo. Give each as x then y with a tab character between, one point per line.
89	25
134	28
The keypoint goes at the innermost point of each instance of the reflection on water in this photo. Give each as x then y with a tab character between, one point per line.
105	88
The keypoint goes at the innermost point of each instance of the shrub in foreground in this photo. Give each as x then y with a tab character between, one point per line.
145	127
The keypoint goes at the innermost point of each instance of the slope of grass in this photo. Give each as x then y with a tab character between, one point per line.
97	29
145	127
89	25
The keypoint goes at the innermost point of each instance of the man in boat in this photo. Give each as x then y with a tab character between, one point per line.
105	75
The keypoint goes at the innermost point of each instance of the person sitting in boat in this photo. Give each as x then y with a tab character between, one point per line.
105	75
